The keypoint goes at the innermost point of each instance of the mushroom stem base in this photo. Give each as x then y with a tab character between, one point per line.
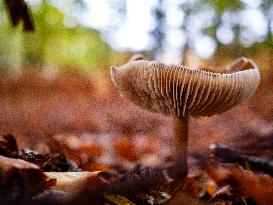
181	142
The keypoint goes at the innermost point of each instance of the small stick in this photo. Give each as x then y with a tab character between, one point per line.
230	155
19	11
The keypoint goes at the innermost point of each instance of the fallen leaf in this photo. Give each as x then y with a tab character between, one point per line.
25	177
94	166
77	149
76	182
8	146
54	197
184	199
211	187
226	193
126	150
255	185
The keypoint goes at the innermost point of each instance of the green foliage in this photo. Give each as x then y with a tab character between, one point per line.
60	39
118	199
221	6
220	10
53	42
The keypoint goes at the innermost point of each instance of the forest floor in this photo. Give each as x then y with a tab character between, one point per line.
86	123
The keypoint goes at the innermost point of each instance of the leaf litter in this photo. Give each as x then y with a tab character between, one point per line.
132	158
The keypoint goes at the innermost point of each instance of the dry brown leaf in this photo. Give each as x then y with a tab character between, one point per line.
17	172
257	186
78	149
94	166
76	182
8	146
54	197
126	150
194	186
211	187
184	199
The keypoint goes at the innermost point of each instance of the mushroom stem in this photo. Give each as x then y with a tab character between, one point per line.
181	142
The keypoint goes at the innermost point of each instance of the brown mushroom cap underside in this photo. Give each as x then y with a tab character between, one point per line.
178	91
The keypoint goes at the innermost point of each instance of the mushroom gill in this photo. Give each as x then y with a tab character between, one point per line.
178	91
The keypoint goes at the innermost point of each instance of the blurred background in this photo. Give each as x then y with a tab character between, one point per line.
88	34
55	80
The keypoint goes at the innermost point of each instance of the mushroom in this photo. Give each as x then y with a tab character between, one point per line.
180	92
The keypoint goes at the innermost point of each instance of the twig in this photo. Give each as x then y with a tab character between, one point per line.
230	155
18	11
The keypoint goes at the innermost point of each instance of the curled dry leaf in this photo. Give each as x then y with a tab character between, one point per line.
8	146
76	182
25	177
257	186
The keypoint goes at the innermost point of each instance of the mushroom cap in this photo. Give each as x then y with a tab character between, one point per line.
178	91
